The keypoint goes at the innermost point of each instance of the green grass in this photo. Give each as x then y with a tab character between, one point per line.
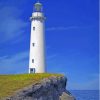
11	83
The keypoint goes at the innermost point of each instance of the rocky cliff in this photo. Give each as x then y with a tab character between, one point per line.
53	88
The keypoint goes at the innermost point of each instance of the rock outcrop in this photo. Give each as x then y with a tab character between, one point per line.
53	88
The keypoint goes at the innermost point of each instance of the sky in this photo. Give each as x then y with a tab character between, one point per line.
72	39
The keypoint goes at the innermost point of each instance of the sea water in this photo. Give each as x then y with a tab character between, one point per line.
86	94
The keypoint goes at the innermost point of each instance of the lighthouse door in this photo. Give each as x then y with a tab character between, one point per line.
32	70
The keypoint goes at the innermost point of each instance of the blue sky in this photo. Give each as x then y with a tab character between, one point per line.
71	39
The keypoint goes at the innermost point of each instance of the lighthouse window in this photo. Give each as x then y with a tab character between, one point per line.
33	28
33	44
32	60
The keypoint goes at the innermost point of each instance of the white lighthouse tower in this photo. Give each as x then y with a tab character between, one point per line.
37	42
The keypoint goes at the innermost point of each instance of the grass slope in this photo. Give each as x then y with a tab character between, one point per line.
11	83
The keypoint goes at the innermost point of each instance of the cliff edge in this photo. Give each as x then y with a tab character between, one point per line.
52	88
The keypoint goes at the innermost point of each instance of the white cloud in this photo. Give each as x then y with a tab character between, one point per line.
61	28
53	56
11	25
91	84
14	63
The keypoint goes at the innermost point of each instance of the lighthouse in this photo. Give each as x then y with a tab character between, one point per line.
37	40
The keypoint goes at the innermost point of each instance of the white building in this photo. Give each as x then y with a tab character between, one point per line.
37	41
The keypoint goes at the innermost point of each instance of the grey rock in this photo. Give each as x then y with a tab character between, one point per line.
47	89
